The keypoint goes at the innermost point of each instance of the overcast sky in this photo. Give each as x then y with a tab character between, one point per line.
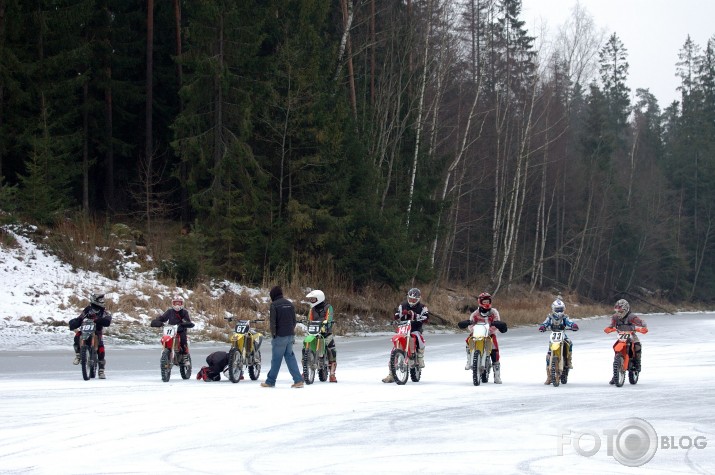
653	31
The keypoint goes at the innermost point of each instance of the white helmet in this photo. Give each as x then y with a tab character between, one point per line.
622	308
558	307
315	297
177	302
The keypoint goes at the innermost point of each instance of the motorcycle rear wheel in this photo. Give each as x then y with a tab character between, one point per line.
185	367
398	366
254	371
323	368
309	364
619	374
165	364
235	365
415	372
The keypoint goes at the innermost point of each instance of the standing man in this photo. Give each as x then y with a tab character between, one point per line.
283	332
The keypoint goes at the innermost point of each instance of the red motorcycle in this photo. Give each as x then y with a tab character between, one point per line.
403	357
170	356
624	359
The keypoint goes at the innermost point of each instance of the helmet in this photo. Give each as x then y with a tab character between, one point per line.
315	297
622	308
558	308
97	300
413	296
485	300
177	302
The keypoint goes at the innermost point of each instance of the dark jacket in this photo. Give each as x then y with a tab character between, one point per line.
282	317
180	318
421	314
217	361
100	316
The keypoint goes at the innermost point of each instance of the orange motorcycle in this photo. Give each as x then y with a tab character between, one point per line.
624	359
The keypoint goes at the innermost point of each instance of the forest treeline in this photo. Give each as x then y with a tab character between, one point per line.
386	142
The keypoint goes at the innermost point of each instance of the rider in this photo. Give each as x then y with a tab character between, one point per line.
322	311
412	309
217	362
557	320
624	320
486	313
176	315
102	318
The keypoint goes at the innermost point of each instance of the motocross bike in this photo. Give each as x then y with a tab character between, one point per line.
245	351
624	359
89	348
403	357
170	356
480	348
315	354
558	350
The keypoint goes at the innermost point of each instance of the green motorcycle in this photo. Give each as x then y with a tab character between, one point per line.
315	354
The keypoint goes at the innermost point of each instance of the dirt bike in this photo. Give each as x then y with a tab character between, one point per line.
558	349
624	359
245	351
170	356
403	357
480	348
89	348
315	354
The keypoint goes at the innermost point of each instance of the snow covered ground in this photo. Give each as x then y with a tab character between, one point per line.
54	422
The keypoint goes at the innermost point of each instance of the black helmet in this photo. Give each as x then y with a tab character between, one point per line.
97	300
413	296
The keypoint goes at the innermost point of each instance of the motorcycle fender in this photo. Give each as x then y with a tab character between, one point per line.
555	347
167	341
399	341
619	346
237	338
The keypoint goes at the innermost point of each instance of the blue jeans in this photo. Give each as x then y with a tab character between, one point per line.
282	347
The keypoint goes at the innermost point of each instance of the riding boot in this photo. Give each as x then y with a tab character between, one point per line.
333	365
468	366
421	357
548	376
76	354
568	362
101	369
388	379
637	359
497	373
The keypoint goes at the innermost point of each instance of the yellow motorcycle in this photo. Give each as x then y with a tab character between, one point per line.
480	347
245	351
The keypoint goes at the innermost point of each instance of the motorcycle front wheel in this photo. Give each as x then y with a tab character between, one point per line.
398	366
619	374
309	364
477	368
165	365
85	362
235	365
554	368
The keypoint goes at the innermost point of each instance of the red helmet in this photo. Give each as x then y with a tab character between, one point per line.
485	300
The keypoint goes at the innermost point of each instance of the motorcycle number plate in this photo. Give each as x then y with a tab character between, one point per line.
170	330
314	328
88	327
404	328
241	327
557	336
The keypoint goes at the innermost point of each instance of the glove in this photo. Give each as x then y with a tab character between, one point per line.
609	329
187	324
642	330
574	327
463	324
542	328
156	323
